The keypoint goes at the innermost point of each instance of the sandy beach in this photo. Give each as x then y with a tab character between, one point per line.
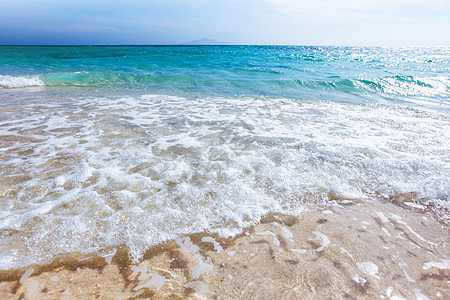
352	249
225	150
224	172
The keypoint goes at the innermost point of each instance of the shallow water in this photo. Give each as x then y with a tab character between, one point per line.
107	146
345	249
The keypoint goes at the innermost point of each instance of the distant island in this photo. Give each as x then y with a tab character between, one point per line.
205	41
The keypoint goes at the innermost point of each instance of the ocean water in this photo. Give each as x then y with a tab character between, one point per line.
128	146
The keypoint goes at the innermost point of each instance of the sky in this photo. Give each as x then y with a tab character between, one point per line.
285	22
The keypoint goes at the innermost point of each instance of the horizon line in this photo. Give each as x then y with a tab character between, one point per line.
206	45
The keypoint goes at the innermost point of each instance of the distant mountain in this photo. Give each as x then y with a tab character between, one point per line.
205	41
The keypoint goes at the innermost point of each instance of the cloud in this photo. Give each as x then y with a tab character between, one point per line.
326	22
349	11
364	23
358	4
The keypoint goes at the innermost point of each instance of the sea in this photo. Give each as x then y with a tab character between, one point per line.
130	146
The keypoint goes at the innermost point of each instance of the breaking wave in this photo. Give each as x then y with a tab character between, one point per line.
9	82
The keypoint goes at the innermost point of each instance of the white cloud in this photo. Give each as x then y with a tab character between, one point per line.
349	11
359	4
363	22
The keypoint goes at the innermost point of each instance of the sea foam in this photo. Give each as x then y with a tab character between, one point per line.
8	82
88	174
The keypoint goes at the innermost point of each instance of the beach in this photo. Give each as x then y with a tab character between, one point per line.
351	249
224	172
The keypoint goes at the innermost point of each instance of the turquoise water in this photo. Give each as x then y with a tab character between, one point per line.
358	75
128	145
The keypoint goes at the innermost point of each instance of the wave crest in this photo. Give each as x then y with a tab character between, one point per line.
8	81
408	85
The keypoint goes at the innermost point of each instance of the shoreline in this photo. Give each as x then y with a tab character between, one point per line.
350	249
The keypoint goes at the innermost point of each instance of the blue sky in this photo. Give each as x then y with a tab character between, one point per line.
299	22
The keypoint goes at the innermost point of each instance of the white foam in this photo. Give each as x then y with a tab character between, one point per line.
157	281
32	286
67	292
299	251
202	267
368	268
397	297
140	270
188	247
382	217
7	81
25	276
419	295
199	287
217	246
433	86
348	253
276	242
389	291
400	221
359	280
402	265
415	205
109	256
445	264
386	231
140	170
323	239
287	234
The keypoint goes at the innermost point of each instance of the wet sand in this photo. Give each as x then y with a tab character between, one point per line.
353	249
